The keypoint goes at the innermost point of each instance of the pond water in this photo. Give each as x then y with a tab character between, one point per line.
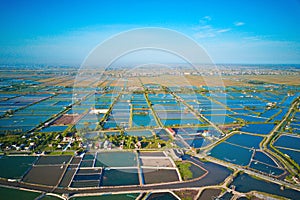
173	122
245	140
143	120
67	178
45	174
115	177
242	111
21	123
224	151
88	157
15	166
237	108
280	115
258	128
174	115
245	183
54	129
151	176
86	177
120	159
46	197
209	194
120	113
266	168
135	106
109	197
109	124
195	130
9	193
173	107
82	184
217	112
250	118
53	160
39	110
288	142
270	113
196	171
262	157
159	196
145	133
220	119
112	133
295	155
197	142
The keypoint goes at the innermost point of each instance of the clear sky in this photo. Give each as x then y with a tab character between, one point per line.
64	31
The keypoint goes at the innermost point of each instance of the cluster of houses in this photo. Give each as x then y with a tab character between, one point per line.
63	143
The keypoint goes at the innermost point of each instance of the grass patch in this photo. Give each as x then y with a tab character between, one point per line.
184	170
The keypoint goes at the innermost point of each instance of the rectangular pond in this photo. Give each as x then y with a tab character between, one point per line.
179	122
266	168
220	119
249	118
45	175
288	141
54	129
249	141
140	133
143	120
295	155
263	158
14	167
117	177
53	160
10	193
130	196
258	128
224	151
245	183
116	159
152	176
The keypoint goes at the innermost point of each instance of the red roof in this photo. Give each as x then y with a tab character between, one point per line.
171	130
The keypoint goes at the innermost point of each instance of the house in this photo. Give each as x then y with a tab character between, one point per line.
106	143
98	111
159	145
206	133
271	104
171	131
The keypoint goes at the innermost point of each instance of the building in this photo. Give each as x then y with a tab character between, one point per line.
171	131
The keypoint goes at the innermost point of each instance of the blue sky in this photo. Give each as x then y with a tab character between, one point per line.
65	31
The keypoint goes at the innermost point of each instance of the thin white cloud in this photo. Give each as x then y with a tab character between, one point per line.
252	38
204	20
206	30
208	18
224	30
239	23
200	35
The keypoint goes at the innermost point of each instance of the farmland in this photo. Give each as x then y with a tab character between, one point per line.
138	130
